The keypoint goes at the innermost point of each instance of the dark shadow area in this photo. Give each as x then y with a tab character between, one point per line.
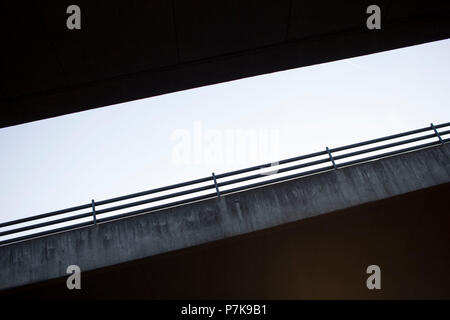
324	257
128	50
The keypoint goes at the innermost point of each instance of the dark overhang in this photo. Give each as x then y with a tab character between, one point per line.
127	50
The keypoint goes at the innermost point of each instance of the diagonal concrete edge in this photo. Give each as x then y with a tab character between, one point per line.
180	227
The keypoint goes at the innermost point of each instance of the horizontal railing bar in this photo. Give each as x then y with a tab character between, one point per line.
263	183
237	180
391	153
45	233
45	224
102	202
443	133
45	215
437	126
386	146
141	202
394	136
144	193
163	206
255	176
306	156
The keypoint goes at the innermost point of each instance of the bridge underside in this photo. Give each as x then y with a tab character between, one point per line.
320	257
126	50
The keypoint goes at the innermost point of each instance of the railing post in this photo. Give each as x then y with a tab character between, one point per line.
93	211
437	133
331	158
215	183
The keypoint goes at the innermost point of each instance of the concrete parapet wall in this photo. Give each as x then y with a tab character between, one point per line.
180	227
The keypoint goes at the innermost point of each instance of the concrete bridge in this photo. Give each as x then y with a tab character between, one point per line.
311	237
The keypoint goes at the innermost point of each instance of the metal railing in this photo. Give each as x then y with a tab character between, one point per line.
220	185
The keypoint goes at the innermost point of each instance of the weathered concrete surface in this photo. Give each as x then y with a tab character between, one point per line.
180	227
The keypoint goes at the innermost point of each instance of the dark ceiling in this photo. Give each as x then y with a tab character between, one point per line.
128	50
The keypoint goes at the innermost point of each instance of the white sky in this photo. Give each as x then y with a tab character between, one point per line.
65	161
